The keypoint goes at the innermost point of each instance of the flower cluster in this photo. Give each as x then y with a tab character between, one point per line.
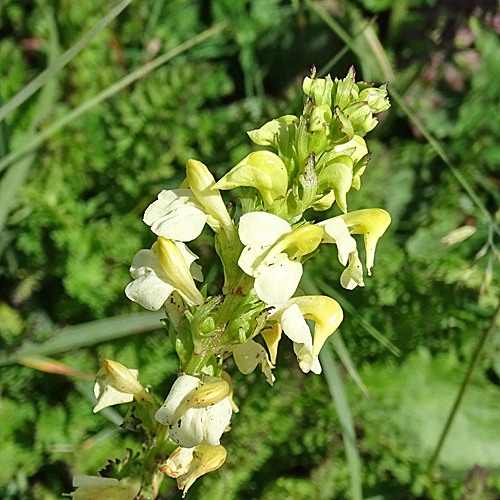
309	162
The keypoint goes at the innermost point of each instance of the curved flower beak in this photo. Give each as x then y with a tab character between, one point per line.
325	312
372	222
301	241
196	411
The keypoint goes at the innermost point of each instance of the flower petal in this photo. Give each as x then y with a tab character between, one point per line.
248	355
262	227
176	215
215	421
295	326
251	258
149	290
353	274
278	281
188	430
107	395
181	391
336	231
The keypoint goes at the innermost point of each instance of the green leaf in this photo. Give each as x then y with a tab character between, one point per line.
410	404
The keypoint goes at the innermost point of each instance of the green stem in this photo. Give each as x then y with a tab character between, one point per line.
150	474
465	384
197	362
232	300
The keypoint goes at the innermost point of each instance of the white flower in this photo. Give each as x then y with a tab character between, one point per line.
116	384
337	232
105	488
194	412
248	355
327	315
177	215
271	248
107	394
186	465
296	329
153	282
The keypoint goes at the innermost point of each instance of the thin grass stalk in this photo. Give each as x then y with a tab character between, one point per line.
485	338
108	92
336	386
59	63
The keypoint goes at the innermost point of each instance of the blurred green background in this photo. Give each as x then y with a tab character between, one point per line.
74	184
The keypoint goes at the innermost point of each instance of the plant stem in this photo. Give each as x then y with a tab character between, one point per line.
465	384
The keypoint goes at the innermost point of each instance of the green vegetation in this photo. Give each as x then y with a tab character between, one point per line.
73	188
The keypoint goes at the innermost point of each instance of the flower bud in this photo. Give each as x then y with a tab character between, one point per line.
121	378
319	89
277	133
377	99
320	118
175	267
325	202
262	170
202	183
337	175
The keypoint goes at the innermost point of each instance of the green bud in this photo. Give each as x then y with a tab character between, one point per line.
319	89
344	91
276	132
377	99
361	117
324	202
320	118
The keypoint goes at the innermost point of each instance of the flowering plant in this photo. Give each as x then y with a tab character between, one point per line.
311	161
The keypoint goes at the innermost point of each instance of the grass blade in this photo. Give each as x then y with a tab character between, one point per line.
14	178
336	386
108	92
344	356
58	64
87	334
4	138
